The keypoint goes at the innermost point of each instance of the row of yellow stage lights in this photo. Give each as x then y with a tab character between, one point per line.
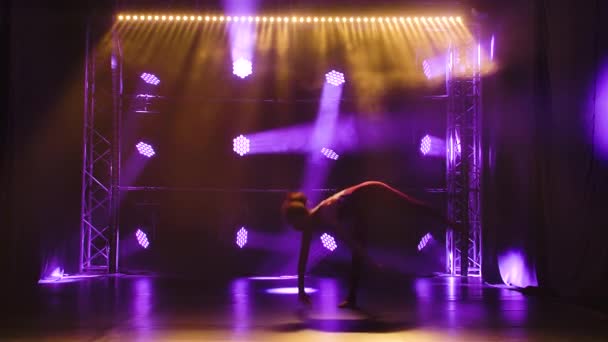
256	19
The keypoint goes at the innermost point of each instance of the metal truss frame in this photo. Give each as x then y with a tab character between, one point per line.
101	161
101	155
463	162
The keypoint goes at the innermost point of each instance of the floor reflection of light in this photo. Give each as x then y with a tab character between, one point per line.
289	290
513	306
142	304
240	305
422	286
329	295
451	288
68	279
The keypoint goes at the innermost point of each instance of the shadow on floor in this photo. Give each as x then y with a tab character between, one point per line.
370	325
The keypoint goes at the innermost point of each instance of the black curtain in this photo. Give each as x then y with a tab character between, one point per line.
42	138
546	171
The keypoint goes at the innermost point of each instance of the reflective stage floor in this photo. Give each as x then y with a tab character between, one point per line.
155	308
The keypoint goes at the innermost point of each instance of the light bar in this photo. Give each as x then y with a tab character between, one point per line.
187	18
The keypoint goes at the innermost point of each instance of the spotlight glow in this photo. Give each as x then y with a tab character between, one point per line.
142	238
145	149
240	145
425	145
328	242
241	237
57	273
289	290
335	78
329	153
150	78
242	68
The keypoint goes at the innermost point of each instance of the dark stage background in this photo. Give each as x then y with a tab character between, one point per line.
545	172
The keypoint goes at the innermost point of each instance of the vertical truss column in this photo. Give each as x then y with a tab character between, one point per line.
116	75
99	206
463	252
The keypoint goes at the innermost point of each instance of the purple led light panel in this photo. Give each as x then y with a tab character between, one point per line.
242	68
335	78
424	241
329	153
241	237
425	145
427	68
145	149
328	242
240	145
150	78
142	238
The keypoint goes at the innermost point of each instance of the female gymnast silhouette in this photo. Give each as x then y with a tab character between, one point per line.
350	215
